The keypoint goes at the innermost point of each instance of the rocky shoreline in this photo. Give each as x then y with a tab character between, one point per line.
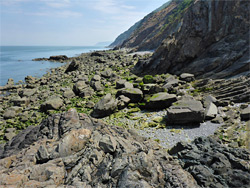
78	126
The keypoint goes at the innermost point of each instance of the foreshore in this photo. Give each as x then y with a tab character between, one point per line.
102	88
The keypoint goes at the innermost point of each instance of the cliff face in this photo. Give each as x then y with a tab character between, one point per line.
211	39
148	33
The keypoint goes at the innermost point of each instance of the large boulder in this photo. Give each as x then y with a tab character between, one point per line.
211	111
134	94
186	111
160	100
81	89
52	103
104	107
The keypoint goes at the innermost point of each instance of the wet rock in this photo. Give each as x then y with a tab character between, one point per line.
74	65
104	107
245	114
160	100
134	94
186	111
187	77
53	103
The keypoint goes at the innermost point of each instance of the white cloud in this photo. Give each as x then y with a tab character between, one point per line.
111	6
57	3
59	14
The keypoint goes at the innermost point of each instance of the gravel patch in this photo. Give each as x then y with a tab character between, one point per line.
168	137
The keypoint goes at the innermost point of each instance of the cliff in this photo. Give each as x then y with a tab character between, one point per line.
211	39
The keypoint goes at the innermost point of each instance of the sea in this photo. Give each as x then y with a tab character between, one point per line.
16	61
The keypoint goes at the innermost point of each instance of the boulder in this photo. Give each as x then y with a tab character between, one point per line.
107	73
211	111
187	111
120	84
27	92
245	114
152	89
134	94
104	107
96	85
79	87
74	65
68	93
122	102
18	101
52	103
96	78
9	114
187	77
160	100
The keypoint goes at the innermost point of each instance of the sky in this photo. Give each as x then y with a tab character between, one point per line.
69	22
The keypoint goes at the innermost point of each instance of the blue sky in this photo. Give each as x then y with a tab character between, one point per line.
69	22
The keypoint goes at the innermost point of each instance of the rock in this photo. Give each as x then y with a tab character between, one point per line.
128	85
108	144
134	94
68	93
148	79
9	114
96	78
208	161
79	87
104	107
10	133
96	85
10	82
27	92
73	66
211	111
73	142
152	89
30	80
160	100
187	77
171	83
107	73
58	58
122	102
53	103
245	114
90	104
18	101
186	111
120	84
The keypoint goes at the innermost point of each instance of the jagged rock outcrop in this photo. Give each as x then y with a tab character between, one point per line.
210	39
214	165
73	150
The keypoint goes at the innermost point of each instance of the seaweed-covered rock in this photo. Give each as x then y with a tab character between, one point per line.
134	94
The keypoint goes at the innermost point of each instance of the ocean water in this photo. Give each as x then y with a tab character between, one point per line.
16	61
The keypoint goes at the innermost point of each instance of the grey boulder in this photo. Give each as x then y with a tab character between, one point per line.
134	94
187	111
104	107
